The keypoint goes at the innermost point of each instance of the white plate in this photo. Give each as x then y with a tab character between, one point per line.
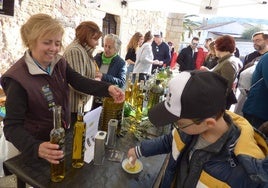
138	167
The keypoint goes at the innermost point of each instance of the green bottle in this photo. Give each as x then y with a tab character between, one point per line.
155	94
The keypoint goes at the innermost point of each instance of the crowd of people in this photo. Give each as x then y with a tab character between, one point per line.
209	145
247	83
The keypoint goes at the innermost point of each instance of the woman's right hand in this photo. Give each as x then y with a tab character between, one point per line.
50	152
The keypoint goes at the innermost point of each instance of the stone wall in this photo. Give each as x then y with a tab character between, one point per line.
72	12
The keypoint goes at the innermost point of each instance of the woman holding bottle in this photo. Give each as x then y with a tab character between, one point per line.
39	81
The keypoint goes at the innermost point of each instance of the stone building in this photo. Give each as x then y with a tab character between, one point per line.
72	12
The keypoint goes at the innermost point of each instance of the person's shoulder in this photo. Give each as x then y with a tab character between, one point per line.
265	55
146	45
253	55
119	59
74	45
98	55
164	44
185	49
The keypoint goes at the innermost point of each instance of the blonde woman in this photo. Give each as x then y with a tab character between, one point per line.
38	81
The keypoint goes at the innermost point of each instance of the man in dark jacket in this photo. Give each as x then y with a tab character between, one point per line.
161	51
187	56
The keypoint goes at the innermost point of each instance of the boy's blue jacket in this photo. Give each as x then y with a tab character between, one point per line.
239	159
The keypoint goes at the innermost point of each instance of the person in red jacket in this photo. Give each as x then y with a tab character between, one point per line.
202	53
174	55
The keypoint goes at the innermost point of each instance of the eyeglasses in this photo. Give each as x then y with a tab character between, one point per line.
195	121
194	44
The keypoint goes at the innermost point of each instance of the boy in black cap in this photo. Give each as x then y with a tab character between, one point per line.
209	147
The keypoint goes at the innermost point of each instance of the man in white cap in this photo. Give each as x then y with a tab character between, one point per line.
161	51
208	146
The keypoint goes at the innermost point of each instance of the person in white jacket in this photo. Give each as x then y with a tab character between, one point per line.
145	58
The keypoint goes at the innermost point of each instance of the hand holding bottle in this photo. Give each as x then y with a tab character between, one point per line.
155	62
116	93
50	152
98	75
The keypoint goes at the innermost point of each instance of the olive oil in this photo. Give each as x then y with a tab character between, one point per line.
155	94
128	91
79	138
135	89
57	136
111	110
139	101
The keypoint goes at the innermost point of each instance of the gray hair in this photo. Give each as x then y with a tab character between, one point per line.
115	38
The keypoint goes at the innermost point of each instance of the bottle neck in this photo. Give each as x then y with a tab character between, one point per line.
80	112
79	117
57	117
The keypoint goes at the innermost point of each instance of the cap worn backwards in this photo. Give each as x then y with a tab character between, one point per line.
195	94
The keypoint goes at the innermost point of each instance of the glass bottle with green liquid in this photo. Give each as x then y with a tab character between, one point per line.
155	94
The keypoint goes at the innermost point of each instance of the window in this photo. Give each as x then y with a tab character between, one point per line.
7	7
109	25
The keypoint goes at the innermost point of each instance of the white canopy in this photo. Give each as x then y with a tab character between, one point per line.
206	8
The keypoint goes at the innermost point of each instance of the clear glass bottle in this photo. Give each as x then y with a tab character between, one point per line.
135	89
139	101
79	138
57	136
155	94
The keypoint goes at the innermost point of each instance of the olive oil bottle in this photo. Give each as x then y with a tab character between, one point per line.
135	89
57	136
128	91
139	101
79	138
155	94
111	110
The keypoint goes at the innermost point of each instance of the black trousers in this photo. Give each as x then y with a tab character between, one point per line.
142	76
